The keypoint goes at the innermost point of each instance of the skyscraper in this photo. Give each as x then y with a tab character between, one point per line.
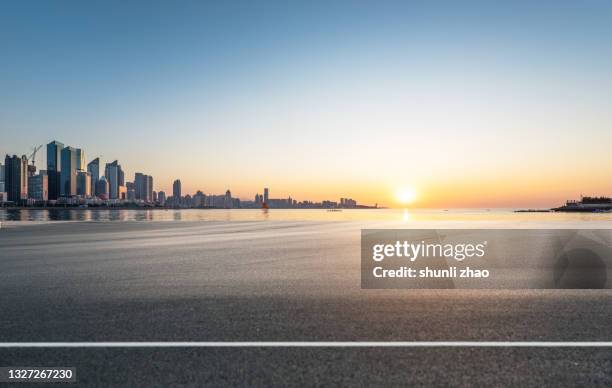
161	198
139	185
150	188
16	178
227	202
38	186
68	172
115	177
93	168
266	196
83	187
176	190
120	176
143	186
54	150
80	157
1	178
102	188
130	190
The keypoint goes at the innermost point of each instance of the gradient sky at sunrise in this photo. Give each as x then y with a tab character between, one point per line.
473	104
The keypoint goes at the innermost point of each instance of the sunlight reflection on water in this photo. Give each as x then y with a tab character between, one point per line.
400	215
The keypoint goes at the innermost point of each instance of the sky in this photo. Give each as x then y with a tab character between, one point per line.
468	104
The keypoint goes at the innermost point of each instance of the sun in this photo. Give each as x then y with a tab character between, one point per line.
406	196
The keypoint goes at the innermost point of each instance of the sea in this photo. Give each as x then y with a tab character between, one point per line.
396	216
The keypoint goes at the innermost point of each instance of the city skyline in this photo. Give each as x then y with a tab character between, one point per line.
467	105
67	180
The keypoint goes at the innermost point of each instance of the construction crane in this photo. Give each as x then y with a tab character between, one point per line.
32	157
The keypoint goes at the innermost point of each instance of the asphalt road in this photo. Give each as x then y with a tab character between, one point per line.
271	281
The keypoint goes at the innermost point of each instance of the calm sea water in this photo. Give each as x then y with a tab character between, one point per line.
401	215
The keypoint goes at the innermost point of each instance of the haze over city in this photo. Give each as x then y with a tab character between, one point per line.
498	105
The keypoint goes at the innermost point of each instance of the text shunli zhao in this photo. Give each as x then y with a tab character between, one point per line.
413	251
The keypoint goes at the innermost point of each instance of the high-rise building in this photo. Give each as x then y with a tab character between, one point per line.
31	170
54	166
115	178
161	198
139	185
1	178
143	186
68	172
266	195
176	190
16	178
121	177
38	186
149	182
80	157
227	203
348	203
83	183
199	199
102	188
131	191
93	168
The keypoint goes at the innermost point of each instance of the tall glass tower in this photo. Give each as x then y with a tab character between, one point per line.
54	166
114	176
176	189
68	187
93	168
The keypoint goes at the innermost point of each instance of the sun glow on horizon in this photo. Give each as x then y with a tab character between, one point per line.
406	195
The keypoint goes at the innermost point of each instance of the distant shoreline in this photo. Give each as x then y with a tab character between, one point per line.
95	208
172	208
534	211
